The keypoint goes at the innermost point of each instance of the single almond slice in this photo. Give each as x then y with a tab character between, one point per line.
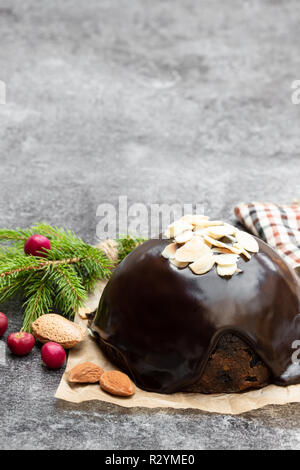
221	250
178	227
226	270
201	231
167	233
179	264
242	250
117	383
85	373
191	251
220	232
84	312
203	264
226	260
219	244
170	251
208	223
194	219
232	227
208	244
230	239
184	237
247	241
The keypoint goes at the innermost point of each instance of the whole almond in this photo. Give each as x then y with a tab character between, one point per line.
52	327
85	373
117	383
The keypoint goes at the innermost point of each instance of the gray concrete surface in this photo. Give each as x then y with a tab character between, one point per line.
162	101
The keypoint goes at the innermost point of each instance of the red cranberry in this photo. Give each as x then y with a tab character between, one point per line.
53	355
20	343
3	324
37	246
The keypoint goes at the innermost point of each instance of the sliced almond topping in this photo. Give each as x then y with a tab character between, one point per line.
242	250
226	260
197	240
247	241
192	250
220	231
178	227
170	251
203	264
221	244
179	264
226	270
184	236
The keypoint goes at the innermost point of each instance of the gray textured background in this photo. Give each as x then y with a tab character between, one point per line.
163	101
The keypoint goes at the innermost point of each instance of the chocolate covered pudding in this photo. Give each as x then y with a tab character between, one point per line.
205	308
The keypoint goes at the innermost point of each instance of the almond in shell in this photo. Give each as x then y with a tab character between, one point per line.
85	373
117	383
53	327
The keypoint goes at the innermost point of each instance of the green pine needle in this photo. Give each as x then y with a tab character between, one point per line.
60	281
39	294
126	244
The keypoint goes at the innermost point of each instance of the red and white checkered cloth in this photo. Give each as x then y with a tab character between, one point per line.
279	226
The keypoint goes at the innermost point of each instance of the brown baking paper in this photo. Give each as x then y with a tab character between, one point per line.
221	403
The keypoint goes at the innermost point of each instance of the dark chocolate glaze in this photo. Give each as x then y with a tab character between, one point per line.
166	321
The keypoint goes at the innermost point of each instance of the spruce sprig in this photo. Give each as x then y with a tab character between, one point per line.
61	280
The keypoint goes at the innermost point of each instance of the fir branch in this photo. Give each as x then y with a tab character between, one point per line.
62	280
38	267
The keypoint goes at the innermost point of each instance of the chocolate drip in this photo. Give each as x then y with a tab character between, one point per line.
165	321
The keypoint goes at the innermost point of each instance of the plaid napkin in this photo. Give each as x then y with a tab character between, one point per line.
279	226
